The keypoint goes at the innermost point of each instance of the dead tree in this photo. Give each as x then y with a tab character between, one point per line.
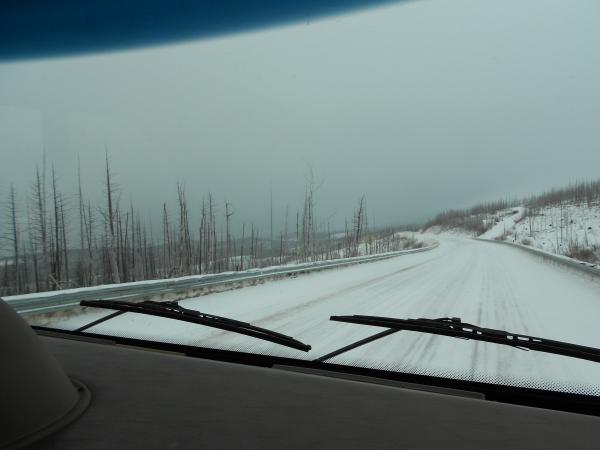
185	250
40	223
202	258
90	242
252	248
110	218
14	237
82	264
358	226
33	251
308	216
228	215
271	218
213	231
242	247
167	261
284	237
57	253
65	245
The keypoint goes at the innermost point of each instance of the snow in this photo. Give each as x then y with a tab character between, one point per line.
580	225
504	221
553	229
457	232
483	283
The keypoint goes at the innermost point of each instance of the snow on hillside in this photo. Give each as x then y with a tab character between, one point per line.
502	222
566	229
448	231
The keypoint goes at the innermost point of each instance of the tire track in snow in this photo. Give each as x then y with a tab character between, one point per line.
285	314
483	283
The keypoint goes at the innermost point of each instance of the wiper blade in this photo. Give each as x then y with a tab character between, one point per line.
172	310
454	327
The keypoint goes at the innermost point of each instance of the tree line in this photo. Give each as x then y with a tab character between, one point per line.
470	219
52	241
475	219
580	192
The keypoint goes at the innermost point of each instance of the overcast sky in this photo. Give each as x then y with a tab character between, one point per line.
421	106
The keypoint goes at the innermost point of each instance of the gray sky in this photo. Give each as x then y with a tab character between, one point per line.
421	106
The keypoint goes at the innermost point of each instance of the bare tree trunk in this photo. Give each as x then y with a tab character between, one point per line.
358	224
64	238
166	242
135	276
83	264
199	261
285	236
242	247
57	266
271	213
228	215
34	252
205	226
252	251
114	268
89	223
15	239
213	227
40	221
25	271
185	250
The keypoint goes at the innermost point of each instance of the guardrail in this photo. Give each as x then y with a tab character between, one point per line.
57	301
589	268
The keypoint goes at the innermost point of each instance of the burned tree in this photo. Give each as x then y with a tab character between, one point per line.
109	218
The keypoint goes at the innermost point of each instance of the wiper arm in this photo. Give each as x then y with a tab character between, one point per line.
453	327
172	310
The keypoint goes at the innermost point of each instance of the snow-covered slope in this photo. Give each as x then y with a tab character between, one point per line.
561	229
567	229
504	221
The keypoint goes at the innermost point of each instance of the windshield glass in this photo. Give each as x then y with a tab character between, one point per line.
420	159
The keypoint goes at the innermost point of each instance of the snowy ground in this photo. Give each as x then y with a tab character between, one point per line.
483	283
562	229
556	229
504	222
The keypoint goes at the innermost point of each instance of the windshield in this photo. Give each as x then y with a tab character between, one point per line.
425	159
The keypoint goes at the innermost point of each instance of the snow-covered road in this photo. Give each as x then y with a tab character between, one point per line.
484	283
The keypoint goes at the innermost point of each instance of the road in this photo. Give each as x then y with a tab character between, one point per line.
483	283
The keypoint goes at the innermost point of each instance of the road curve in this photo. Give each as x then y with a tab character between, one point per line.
482	283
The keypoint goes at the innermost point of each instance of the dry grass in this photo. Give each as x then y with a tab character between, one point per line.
591	255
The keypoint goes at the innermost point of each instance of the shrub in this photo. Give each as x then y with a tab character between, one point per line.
583	253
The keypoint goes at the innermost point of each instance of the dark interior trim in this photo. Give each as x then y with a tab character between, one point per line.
540	398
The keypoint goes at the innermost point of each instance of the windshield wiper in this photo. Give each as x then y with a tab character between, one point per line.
453	327
172	310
